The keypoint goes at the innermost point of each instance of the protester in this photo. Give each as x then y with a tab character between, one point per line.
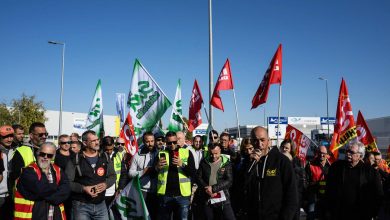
142	165
6	152
214	178
18	136
160	142
116	159
197	150
176	167
63	153
353	189
75	146
74	137
369	158
90	173
224	139
42	188
26	154
316	174
271	185
181	139
288	148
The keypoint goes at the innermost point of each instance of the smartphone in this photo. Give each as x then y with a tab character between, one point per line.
162	155
176	153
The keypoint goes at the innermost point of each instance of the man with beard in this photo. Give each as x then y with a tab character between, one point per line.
353	189
18	136
26	154
142	165
90	173
42	188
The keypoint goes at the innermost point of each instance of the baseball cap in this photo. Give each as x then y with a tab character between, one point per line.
6	130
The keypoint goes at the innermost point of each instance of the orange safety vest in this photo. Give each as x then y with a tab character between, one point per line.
24	207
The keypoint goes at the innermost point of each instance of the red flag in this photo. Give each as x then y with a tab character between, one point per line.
345	129
364	134
128	134
273	75
225	82
300	140
195	118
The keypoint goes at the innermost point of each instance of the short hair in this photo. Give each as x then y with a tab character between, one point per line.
223	134
17	126
50	144
79	143
212	146
170	134
148	133
196	137
84	136
213	132
360	145
63	136
253	131
35	125
75	134
107	141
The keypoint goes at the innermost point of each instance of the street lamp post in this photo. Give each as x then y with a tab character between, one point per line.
327	103
62	83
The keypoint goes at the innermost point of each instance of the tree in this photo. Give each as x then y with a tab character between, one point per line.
23	111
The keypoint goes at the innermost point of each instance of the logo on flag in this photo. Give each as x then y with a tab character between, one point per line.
176	122
364	134
225	82
95	115
300	140
128	134
195	118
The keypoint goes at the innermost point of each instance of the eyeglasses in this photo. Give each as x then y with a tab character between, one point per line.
169	143
159	139
41	134
8	136
65	142
120	144
42	154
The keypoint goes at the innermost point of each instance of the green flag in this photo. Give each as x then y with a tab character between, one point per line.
147	102
176	123
95	115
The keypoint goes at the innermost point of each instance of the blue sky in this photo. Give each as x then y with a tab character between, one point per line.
333	39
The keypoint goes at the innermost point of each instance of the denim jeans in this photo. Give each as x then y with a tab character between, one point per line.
177	205
87	211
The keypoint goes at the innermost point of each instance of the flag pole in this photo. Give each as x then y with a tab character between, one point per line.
238	121
279	107
210	60
211	126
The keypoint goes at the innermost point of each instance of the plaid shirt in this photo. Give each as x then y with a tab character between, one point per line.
51	208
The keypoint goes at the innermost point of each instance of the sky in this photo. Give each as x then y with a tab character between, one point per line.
332	39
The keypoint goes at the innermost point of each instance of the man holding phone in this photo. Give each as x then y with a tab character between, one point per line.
175	168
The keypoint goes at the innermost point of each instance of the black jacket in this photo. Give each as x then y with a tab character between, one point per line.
368	193
272	190
224	180
43	193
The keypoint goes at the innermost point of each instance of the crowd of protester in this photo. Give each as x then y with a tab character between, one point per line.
187	179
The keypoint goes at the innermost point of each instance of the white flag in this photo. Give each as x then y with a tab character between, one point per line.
95	115
130	204
176	123
146	100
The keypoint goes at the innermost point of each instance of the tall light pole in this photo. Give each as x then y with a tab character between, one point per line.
62	83
211	73
327	103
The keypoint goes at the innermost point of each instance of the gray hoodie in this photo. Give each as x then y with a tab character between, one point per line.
140	161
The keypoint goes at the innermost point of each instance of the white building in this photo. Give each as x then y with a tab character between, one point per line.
74	122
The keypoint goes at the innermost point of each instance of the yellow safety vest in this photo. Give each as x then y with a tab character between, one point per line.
118	166
23	207
184	181
27	154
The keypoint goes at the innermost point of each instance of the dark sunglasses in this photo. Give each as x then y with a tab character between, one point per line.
159	139
42	134
120	144
65	142
42	154
169	143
